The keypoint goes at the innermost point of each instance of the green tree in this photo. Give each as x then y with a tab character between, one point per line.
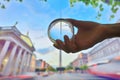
114	5
69	68
50	68
84	67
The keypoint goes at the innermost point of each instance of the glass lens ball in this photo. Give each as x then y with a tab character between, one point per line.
59	28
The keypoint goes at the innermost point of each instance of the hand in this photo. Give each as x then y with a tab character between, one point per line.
88	34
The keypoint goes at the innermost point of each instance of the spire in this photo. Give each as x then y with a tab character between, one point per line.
27	34
16	23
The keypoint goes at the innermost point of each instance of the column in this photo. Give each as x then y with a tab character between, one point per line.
4	51
22	62
29	64
7	68
17	61
25	63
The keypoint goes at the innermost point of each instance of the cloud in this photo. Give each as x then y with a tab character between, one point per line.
40	41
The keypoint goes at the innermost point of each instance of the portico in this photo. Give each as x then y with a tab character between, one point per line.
16	51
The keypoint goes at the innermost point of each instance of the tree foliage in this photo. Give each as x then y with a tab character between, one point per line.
50	68
84	67
69	68
114	5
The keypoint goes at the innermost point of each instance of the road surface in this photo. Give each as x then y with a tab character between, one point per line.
70	76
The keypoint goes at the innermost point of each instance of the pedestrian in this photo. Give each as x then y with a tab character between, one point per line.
89	33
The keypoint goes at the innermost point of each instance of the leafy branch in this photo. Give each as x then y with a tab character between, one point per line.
114	4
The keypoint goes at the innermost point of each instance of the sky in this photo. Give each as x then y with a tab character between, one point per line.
34	16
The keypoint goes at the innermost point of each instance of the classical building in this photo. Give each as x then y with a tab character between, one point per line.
16	52
33	63
104	51
80	60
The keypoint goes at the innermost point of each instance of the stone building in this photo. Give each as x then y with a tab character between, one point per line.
16	51
104	51
80	60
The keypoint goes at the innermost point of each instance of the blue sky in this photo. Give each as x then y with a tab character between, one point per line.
34	16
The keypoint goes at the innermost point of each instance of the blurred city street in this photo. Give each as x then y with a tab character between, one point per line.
99	72
59	40
71	76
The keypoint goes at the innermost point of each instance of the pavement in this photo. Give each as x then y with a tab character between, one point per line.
20	77
24	76
27	76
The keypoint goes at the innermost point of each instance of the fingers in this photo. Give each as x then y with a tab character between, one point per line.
60	45
55	45
68	45
77	41
67	41
76	46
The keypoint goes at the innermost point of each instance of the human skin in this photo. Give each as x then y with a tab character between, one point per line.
88	34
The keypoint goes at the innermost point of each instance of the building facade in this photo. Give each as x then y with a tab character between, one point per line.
104	51
33	63
16	51
38	63
41	64
80	60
